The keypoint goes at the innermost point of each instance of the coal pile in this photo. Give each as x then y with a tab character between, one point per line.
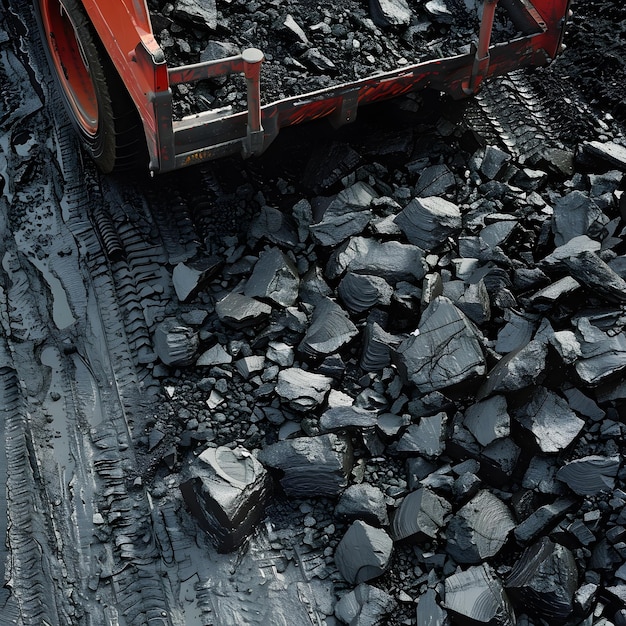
309	46
429	363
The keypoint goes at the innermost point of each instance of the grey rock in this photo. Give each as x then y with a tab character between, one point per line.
420	516
363	553
240	311
348	214
591	474
475	303
250	365
428	222
571	248
590	270
311	466
429	611
313	287
330	330
517	331
274	226
477	596
436	180
174	343
550	420
377	347
544	581
227	491
447	350
493	162
365	606
274	277
392	260
613	154
318	62
479	529
280	353
217	355
303	390
546	298
439	11
364	502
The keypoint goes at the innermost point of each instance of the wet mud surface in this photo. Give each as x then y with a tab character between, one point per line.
388	317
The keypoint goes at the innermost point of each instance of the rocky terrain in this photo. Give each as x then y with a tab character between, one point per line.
375	376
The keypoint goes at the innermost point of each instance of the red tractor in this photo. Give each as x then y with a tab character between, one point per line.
117	84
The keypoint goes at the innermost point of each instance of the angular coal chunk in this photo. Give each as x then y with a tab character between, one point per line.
603	356
517	332
590	270
275	226
175	343
311	466
476	596
479	529
360	292
576	214
429	611
364	502
274	277
488	420
517	370
363	553
475	303
493	162
318	62
590	475
550	420
216	355
226	490
428	222
543	519
377	347
436	180
446	350
330	330
544	581
546	298
202	13
365	606
240	311
387	13
189	278
420	516
392	260
428	438
575	246
302	389
348	214
608	153
346	417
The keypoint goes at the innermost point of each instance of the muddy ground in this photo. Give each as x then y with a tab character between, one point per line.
99	429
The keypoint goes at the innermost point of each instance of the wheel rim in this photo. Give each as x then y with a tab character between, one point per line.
70	64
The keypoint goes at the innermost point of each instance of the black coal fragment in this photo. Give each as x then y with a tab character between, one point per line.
385	13
445	351
227	491
590	270
189	278
311	466
436	180
493	162
591	474
377	347
365	606
608	153
318	62
550	420
420	516
488	420
571	248
543	519
201	13
544	581
363	553
429	611
274	226
348	214
303	390
363	501
330	330
240	311
476	596
428	222
479	529
360	292
517	331
603	355
392	260
342	417
426	438
274	278
576	214
175	343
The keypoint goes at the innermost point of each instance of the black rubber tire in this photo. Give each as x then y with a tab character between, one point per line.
111	133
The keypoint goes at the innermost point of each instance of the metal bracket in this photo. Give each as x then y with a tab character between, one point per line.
481	58
346	112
